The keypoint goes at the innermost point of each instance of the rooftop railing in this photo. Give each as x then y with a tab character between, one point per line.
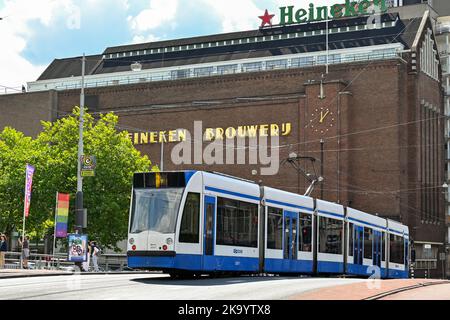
220	70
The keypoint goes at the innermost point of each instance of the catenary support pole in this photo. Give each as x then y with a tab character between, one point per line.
322	142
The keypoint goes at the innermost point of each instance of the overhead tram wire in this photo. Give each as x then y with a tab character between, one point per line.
127	128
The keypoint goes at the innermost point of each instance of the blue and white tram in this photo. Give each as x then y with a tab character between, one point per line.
195	222
366	243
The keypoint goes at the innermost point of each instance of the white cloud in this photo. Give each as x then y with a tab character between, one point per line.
160	11
15	70
15	31
236	15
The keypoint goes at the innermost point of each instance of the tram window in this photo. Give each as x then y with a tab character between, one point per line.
397	249
237	223
189	230
351	235
330	235
305	238
275	229
368	239
383	247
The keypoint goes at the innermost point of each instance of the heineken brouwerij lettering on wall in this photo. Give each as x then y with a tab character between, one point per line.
211	134
291	15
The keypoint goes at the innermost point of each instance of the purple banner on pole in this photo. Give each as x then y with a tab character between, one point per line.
28	185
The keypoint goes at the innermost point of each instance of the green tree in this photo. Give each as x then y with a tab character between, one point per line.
54	154
16	151
107	195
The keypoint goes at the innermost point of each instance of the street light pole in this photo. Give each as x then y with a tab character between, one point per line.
322	142
79	210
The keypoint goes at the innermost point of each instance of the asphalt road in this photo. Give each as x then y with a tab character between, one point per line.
160	287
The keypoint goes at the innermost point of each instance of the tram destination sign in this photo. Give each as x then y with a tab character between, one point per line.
292	15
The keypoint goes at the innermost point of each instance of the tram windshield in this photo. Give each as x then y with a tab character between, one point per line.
155	210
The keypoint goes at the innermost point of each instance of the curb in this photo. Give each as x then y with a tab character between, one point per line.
15	276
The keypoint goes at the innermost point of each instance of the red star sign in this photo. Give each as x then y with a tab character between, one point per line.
266	19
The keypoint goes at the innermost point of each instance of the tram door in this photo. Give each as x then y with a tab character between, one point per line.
208	235
377	247
358	254
290	235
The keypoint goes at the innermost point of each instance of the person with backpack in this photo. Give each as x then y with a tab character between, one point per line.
95	252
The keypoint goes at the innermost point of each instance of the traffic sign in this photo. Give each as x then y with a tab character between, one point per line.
88	165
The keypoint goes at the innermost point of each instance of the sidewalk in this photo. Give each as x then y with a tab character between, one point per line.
368	289
19	273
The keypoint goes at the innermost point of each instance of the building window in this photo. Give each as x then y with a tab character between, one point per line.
276	64
189	230
227	69
305	237
330	235
203	72
181	74
250	67
237	223
275	229
302	62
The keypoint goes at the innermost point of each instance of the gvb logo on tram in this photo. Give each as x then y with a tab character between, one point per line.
192	223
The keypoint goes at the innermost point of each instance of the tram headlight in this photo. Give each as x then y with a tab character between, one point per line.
131	241
169	241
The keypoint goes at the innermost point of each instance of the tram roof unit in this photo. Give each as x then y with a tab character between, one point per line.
231	187
397	228
288	200
264	43
366	219
330	209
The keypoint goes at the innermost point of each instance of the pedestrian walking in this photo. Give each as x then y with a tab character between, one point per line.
3	250
95	251
25	244
88	261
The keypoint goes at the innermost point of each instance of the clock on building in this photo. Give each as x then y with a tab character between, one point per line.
322	120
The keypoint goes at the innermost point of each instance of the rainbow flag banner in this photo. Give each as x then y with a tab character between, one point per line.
62	214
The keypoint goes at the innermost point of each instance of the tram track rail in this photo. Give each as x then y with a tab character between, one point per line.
393	292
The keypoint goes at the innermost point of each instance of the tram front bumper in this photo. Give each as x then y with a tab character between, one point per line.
151	260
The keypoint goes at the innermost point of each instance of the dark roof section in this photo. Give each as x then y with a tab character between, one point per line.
404	32
246	34
66	68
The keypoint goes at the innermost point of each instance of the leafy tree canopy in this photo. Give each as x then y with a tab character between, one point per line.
54	154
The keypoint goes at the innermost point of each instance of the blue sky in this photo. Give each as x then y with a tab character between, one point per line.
37	31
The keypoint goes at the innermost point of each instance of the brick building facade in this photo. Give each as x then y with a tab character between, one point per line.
380	119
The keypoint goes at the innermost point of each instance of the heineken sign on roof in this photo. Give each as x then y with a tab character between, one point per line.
292	15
